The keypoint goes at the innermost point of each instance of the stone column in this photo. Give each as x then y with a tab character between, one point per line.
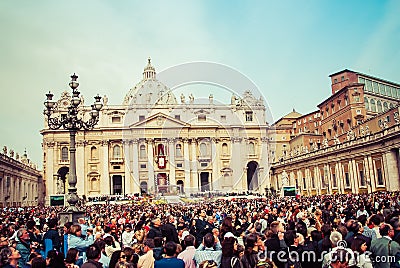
341	177
391	170
135	166
81	184
215	176
371	173
186	165
264	179
150	165
355	176
328	177
105	174
194	176
236	165
50	163
172	164
127	178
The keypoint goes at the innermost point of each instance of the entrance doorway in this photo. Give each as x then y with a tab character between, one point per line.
252	176
162	183
180	186
117	184
204	181
143	187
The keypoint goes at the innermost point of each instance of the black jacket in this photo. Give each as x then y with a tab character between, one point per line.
154	232
169	232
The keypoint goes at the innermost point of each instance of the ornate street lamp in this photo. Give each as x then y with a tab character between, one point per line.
72	123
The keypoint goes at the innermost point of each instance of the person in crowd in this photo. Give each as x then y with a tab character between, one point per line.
39	262
93	254
23	246
64	241
170	259
111	245
76	241
359	247
155	230
188	254
9	257
55	259
104	259
71	258
158	249
127	236
169	231
230	259
384	246
117	256
52	238
210	249
147	260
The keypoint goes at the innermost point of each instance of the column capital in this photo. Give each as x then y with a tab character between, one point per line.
150	141
135	141
264	139
50	144
171	140
237	139
185	140
105	142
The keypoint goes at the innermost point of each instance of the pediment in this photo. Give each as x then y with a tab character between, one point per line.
161	120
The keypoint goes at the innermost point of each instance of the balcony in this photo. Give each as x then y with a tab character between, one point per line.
116	161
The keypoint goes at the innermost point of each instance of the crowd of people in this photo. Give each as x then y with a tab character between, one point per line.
336	231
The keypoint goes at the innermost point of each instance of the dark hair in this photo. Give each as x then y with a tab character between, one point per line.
100	243
340	255
158	242
228	246
68	225
209	240
71	255
56	259
326	229
375	219
384	229
189	240
93	252
362	219
129	252
4	254
52	223
109	241
30	224
114	258
170	248
289	237
39	262
356	244
250	242
316	235
149	242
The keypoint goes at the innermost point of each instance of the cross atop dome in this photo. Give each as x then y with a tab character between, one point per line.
149	71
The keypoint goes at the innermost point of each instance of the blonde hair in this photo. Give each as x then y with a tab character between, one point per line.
74	229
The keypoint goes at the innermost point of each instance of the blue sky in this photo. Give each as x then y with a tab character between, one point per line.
287	48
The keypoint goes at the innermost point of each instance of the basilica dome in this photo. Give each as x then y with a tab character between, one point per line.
150	91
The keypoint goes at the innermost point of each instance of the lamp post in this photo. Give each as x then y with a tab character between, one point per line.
72	123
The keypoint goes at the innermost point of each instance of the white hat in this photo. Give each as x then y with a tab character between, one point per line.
229	234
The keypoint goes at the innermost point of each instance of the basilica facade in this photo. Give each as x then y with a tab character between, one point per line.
156	142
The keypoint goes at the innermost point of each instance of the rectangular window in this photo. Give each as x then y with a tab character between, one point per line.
143	166
141	117
201	117
249	116
334	180
179	165
362	178
304	183
347	179
117	167
116	119
378	166
204	164
342	78
178	116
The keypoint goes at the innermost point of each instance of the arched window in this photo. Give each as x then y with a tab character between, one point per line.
224	149
251	148
178	150
366	102
379	104
373	105
64	153
93	153
203	149
160	150
142	151
117	151
385	106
